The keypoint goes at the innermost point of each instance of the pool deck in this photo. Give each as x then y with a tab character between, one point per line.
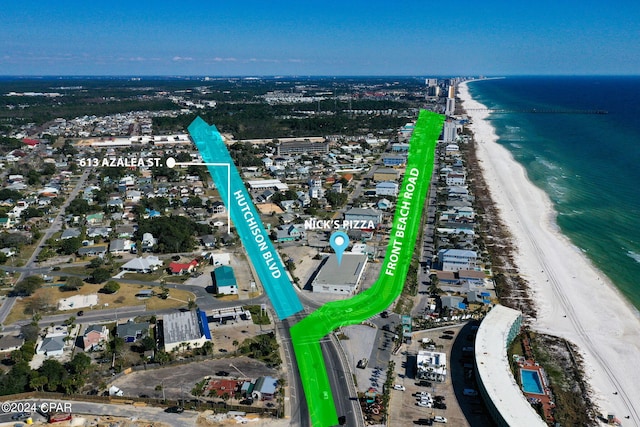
546	399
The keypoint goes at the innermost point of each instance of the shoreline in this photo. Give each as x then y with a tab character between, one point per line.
573	299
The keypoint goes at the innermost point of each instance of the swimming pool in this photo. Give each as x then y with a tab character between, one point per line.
531	381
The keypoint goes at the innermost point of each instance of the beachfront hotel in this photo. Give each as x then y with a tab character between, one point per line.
499	390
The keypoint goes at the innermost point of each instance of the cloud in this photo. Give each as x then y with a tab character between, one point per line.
219	59
182	58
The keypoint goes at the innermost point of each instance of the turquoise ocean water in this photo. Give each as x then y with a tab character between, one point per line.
589	164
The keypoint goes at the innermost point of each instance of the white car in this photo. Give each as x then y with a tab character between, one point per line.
398	387
440	419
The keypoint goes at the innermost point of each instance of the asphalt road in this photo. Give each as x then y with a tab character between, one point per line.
297	400
29	269
93	410
344	393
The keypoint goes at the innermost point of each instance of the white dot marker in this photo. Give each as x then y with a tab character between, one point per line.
171	162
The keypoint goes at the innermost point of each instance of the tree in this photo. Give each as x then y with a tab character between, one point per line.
54	371
73	283
111	287
207	348
100	275
148	343
28	286
117	345
70	246
162	357
38	382
78	206
79	364
95	263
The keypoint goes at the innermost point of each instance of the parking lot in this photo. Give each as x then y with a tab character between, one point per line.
404	409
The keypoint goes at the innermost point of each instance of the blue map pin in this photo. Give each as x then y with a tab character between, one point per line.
339	242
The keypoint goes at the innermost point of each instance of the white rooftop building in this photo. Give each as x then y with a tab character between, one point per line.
431	366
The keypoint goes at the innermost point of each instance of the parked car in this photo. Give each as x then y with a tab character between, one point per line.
384	314
440	405
424	422
469	392
222	374
21	415
362	363
174	409
424	404
398	387
440	419
81	313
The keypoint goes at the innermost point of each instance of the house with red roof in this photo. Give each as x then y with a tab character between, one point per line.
30	142
182	268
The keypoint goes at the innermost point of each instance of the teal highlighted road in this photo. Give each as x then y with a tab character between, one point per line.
262	254
307	333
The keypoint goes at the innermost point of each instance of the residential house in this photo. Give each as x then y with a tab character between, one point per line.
51	346
70	233
394	160
208	241
132	331
142	265
457	259
95	218
290	233
10	343
119	246
387	188
8	252
93	336
217	207
366	216
182	268
455	178
99	231
98	250
453	302
148	241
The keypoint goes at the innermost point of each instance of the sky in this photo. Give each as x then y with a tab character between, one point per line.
308	37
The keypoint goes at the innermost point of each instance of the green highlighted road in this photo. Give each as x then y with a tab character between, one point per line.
307	333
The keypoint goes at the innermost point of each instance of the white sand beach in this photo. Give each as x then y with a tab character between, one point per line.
574	299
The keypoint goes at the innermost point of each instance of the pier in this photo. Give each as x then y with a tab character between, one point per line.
538	111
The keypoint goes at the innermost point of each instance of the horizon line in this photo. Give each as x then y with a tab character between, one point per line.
283	76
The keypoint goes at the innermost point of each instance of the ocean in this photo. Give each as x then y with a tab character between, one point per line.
589	164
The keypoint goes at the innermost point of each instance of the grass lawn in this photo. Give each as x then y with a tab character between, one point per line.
124	297
145	277
181	278
25	253
84	270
